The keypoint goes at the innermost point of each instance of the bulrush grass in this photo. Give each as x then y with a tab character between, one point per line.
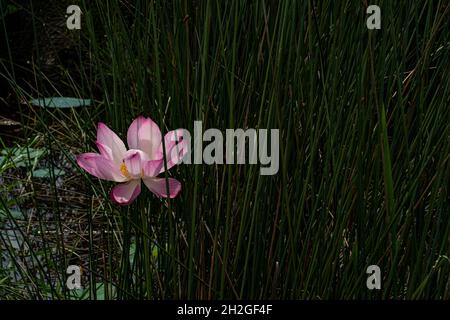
364	140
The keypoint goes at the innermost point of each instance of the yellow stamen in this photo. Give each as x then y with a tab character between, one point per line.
124	170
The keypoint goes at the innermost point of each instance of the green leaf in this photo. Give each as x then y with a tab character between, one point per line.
19	156
132	252
46	173
79	294
60	102
83	293
100	292
155	251
15	214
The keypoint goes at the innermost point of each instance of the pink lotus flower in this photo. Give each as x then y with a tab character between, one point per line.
144	161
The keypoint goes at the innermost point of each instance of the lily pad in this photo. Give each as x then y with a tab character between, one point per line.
19	156
60	102
46	173
83	293
15	214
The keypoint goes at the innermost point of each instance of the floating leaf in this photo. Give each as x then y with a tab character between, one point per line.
79	294
83	293
15	214
19	156
60	102
100	292
46	173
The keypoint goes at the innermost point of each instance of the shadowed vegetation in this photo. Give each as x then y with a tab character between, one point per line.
364	150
